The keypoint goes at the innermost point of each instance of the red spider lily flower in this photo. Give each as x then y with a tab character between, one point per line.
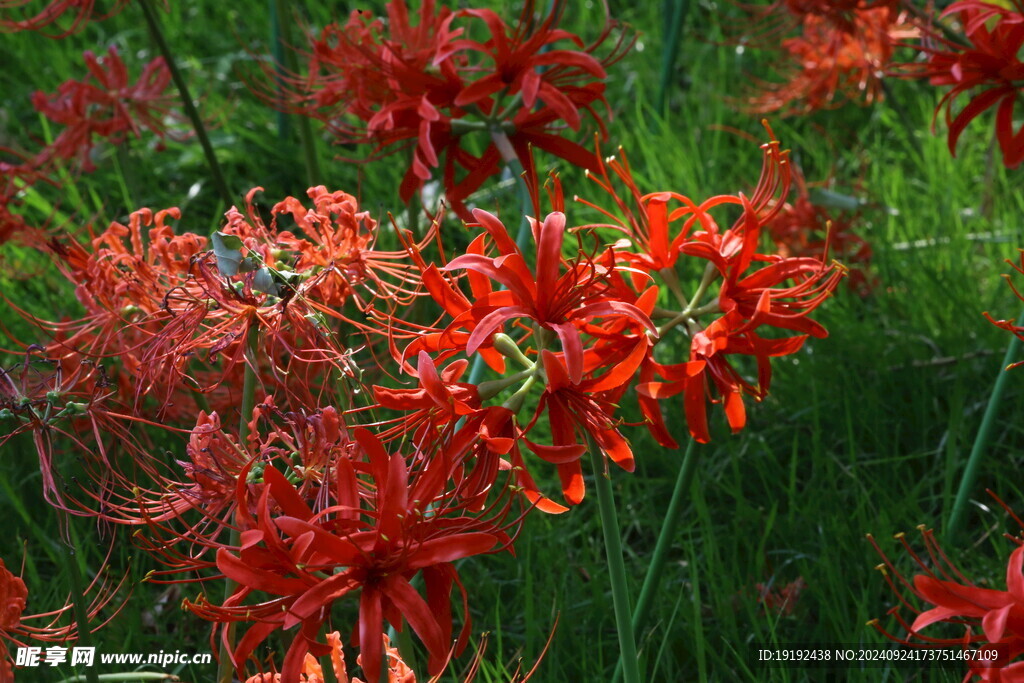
437	405
666	234
106	105
780	601
803	229
838	57
312	672
987	64
993	619
1010	325
335	241
188	511
170	312
576	412
61	403
430	86
291	552
16	626
783	16
80	11
558	302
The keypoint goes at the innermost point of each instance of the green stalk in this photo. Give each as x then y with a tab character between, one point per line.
153	22
967	483
676	11
668	531
669	527
284	48
283	129
81	610
406	648
225	670
616	567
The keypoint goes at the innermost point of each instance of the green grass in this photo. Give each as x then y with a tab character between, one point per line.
865	431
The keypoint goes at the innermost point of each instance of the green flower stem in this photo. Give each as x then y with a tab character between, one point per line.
276	40
616	567
669	527
406	648
225	669
963	494
153	22
673	515
307	139
81	609
675	10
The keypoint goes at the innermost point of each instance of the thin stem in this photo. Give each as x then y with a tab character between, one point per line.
225	668
81	610
668	531
616	567
283	129
963	494
928	21
669	527
307	139
153	22
670	50
406	648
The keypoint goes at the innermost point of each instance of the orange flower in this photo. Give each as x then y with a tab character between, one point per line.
831	63
312	672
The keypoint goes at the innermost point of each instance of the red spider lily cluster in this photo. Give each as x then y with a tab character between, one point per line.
841	52
27	15
358	410
106	105
804	228
983	63
452	77
991	620
367	459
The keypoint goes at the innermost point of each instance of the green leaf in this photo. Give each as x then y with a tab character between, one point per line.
835	200
228	250
264	282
